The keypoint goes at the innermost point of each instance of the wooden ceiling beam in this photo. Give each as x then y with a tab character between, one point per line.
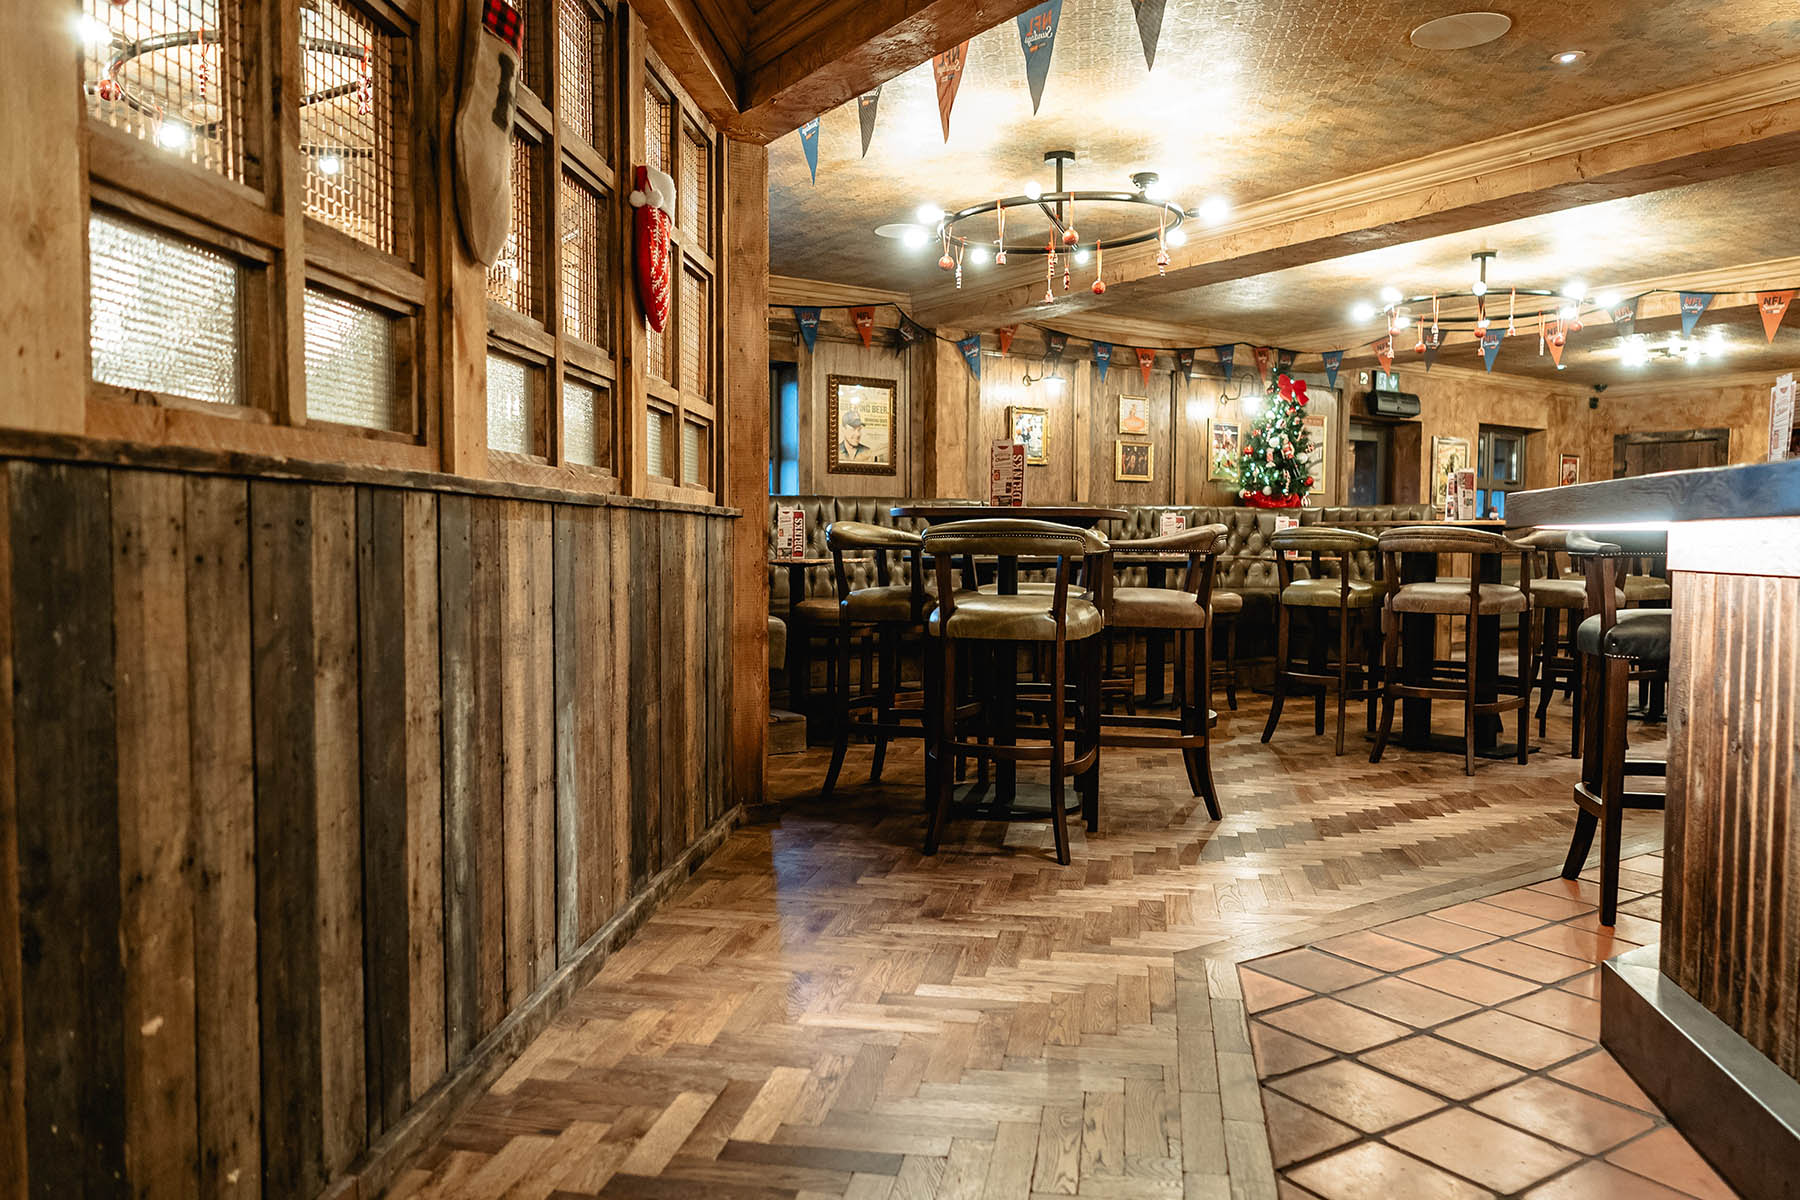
693	46
1686	135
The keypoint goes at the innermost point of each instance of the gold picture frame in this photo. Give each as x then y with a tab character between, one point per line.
1320	466
1448	455
860	429
1224	448
1134	416
1031	427
1134	462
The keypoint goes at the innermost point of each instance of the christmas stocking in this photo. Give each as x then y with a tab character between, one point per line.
654	199
493	36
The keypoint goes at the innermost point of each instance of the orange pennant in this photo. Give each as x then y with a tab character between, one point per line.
865	324
1773	306
947	69
1555	340
1146	363
1005	333
1384	353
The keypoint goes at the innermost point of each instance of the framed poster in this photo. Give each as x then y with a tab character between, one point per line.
1570	471
1448	454
1320	467
1133	461
861	426
1031	428
1224	446
1134	416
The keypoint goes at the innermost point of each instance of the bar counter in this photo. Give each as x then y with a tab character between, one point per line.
1709	1021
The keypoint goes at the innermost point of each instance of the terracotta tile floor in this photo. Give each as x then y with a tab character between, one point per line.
1455	1054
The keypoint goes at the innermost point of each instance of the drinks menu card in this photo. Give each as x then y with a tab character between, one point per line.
1006	474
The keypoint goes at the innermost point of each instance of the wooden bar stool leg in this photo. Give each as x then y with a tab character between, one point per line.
1470	633
1317	625
1231	667
840	705
1371	677
1526	628
945	783
1612	810
1059	820
1281	671
1390	637
1089	701
1343	672
887	671
1199	760
1576	701
1552	627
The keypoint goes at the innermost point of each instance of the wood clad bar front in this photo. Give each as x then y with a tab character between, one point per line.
326	795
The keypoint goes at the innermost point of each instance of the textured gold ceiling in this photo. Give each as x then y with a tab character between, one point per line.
1249	98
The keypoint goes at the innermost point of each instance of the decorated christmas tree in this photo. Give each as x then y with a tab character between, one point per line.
1278	454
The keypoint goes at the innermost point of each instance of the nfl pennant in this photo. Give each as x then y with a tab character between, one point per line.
1184	359
1226	354
1554	341
808	318
1773	306
1149	22
864	320
1103	358
1284	361
1433	344
971	352
1037	37
865	115
1333	360
909	331
1692	305
809	142
1624	315
947	70
1146	363
1005	333
1262	357
1384	352
1054	345
1490	345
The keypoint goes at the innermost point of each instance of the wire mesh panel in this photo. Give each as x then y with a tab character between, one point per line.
352	374
531	58
585	410
353	124
513	279
511	392
165	315
656	353
586	310
657	441
696	209
659	112
695	328
696	454
170	72
581	77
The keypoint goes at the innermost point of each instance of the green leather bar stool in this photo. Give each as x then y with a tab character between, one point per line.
1613	643
964	624
1470	599
1185	611
1319	596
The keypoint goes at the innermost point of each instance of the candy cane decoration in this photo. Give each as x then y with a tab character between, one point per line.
1000	240
1511	302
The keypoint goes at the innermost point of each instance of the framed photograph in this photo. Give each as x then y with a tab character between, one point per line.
1031	428
1133	462
1448	455
1224	446
1134	416
1320	467
1571	470
861	425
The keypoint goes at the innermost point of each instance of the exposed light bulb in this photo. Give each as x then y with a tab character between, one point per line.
1574	289
1402	321
1606	299
914	238
929	214
1177	237
978	255
1634	353
1054	385
1390	295
328	164
1567	57
1033	190
1362	310
1568	312
1479	287
172	135
1693	356
1081	257
1159	190
92	32
1213	210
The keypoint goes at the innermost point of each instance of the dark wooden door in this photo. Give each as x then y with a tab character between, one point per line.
1674	450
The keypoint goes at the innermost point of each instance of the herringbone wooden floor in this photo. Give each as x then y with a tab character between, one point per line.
824	1011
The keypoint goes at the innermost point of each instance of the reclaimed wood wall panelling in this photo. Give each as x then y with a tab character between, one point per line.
14	1180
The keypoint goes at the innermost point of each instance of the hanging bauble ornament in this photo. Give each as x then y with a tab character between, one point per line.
1099	288
1070	237
1000	257
1419	347
1267	490
1575	321
1309	481
109	89
946	262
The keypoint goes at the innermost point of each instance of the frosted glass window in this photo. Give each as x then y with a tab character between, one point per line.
694	455
165	314
351	373
656	438
510	426
584	412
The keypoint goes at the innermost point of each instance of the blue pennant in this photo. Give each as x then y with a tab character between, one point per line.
1333	360
1103	358
1037	37
809	142
971	352
1692	305
1226	353
1490	345
808	318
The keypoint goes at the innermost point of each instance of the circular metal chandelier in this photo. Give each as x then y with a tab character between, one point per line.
1062	210
1399	309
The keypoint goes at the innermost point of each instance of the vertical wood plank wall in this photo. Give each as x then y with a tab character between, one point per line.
1734	800
311	787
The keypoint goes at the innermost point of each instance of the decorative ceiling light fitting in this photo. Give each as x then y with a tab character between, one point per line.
1461	31
1559	318
955	229
1568	58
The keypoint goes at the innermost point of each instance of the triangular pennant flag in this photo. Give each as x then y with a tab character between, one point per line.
1226	354
909	332
1005	334
1773	306
971	352
809	324
1433	344
1624	315
1333	360
1037	37
1284	361
1490	345
865	113
1103	357
864	320
1185	360
1384	352
1692	305
1054	345
1149	23
1263	356
1554	341
1146	363
809	142
947	69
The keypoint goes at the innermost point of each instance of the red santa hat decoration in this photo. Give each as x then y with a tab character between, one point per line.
654	199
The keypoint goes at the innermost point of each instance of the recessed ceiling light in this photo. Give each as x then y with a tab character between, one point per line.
1461	31
1568	57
